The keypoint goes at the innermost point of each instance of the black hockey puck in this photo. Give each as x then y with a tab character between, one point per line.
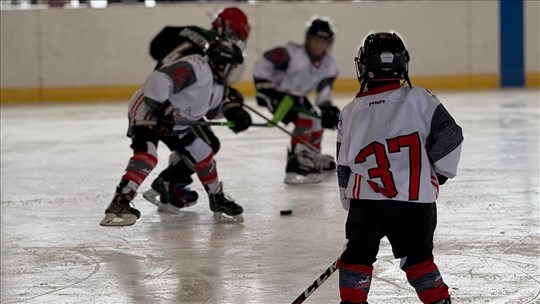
285	212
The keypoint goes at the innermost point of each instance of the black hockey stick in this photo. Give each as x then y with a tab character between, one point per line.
316	284
217	123
199	123
273	124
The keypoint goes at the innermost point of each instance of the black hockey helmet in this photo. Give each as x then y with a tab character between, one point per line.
224	56
382	57
320	26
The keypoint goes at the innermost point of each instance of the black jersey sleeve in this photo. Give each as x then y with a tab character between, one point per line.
445	135
325	82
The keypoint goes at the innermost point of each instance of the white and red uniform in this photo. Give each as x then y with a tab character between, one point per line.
291	71
188	83
392	143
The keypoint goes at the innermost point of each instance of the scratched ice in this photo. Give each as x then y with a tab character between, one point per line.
60	164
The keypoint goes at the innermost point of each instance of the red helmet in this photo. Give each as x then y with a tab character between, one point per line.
231	23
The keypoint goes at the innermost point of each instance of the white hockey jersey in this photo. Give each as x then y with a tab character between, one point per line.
189	85
291	71
392	142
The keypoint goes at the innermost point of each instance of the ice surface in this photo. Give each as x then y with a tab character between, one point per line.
60	165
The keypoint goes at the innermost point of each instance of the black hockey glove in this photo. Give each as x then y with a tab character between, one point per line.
165	118
330	115
441	179
267	96
233	110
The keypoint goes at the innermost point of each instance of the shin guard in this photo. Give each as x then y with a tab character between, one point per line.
354	282
207	172
138	168
427	281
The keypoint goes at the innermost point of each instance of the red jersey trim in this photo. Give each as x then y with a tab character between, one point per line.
377	90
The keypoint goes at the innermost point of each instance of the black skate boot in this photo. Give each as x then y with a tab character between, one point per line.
173	196
119	212
220	203
301	169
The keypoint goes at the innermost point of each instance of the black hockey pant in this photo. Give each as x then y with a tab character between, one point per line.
409	227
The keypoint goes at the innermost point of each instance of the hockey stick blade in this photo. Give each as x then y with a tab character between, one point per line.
271	123
316	284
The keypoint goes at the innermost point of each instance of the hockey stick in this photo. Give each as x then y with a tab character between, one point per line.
316	284
198	123
271	123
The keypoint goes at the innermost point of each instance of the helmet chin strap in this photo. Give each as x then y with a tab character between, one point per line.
407	79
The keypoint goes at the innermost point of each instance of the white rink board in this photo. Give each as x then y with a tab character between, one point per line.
60	165
104	47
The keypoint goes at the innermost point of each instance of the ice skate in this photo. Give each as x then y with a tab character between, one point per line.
325	162
301	170
322	162
119	212
224	207
170	198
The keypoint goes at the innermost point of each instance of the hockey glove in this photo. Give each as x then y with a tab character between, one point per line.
267	96
165	118
233	110
441	179
330	115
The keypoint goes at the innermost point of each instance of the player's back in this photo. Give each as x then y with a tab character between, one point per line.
186	39
383	135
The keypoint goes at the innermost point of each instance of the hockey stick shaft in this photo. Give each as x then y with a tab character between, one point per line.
199	123
270	122
316	284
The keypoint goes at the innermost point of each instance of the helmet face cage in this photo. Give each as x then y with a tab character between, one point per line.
232	23
224	56
322	27
382	57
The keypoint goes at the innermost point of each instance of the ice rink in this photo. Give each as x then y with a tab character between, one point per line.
61	163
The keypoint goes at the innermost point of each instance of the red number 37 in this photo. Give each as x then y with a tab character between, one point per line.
382	171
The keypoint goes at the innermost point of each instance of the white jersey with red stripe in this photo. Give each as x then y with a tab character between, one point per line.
188	83
392	143
291	71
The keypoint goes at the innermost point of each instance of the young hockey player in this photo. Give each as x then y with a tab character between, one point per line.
230	22
396	145
169	191
290	73
182	89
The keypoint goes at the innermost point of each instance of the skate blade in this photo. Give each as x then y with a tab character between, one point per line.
292	178
173	209
223	218
152	196
111	219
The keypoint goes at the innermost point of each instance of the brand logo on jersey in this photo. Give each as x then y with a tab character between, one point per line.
195	37
376	102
